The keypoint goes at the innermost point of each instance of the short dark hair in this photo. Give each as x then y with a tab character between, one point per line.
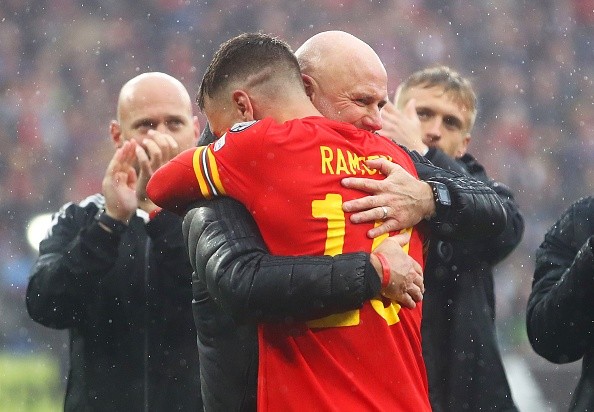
256	55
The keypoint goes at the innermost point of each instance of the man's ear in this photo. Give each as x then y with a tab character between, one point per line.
309	84
115	130
243	105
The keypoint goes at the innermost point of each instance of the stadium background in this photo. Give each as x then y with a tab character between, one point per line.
62	63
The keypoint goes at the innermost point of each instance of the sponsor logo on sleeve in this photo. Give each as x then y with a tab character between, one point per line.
239	127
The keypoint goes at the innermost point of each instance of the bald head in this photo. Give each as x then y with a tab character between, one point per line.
150	87
339	71
330	50
155	101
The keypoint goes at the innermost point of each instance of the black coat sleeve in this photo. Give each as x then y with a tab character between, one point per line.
502	245
230	257
477	212
512	234
70	265
559	316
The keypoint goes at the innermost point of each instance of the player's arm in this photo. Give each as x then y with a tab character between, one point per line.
194	174
175	185
229	256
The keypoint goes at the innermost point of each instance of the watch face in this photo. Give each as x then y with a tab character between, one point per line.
441	193
444	194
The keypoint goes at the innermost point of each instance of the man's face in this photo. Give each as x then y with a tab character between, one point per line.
162	109
444	122
356	99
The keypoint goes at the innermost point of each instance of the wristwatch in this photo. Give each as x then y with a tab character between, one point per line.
441	194
114	225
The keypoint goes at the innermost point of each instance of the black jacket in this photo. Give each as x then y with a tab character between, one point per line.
560	314
126	303
236	283
463	361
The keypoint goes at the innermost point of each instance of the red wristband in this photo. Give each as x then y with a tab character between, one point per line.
154	213
385	269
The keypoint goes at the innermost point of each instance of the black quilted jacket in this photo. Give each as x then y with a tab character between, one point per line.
464	365
560	314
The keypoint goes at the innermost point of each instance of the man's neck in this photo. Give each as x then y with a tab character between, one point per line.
296	109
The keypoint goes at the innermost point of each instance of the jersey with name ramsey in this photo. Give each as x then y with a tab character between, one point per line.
288	175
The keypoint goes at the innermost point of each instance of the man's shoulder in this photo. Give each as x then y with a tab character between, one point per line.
472	165
91	203
573	227
243	133
96	200
581	208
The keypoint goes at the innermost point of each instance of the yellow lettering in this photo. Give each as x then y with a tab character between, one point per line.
330	208
354	162
350	318
380	238
341	165
327	157
367	170
338	161
390	314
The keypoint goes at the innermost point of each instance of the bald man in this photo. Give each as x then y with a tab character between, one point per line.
344	78
114	270
459	308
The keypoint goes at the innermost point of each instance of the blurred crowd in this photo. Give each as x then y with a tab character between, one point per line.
62	63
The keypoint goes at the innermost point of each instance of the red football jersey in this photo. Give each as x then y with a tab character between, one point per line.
288	175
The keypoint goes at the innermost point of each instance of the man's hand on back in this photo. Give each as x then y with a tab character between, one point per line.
404	199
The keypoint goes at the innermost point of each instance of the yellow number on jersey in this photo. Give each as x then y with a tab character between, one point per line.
330	208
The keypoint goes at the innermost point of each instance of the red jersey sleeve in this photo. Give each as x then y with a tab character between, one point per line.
196	173
174	185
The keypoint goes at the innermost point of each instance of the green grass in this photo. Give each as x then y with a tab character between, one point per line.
29	383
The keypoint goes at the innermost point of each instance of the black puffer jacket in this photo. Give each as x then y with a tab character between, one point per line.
463	361
560	314
126	303
236	283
